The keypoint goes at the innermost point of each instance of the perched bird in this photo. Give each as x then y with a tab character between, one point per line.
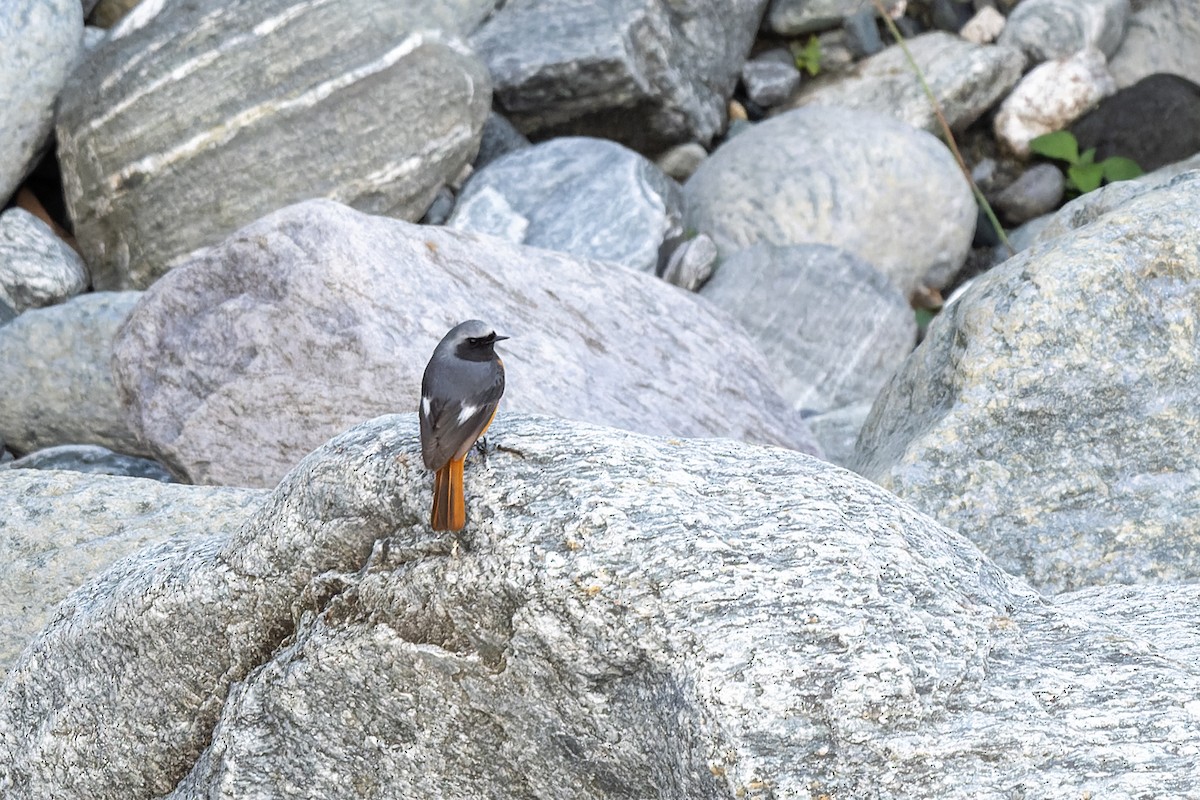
462	385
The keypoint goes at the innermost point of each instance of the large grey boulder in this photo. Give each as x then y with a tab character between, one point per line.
647	73
861	181
42	39
1046	29
37	268
59	530
57	385
174	134
832	327
588	197
241	361
1161	37
967	79
623	617
1050	413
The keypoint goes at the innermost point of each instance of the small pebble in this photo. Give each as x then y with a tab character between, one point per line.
682	160
983	28
441	207
1038	191
691	263
862	34
770	78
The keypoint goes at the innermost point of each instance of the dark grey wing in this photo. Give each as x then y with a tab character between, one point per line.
458	401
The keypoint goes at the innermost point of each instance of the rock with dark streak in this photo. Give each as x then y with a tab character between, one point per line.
173	134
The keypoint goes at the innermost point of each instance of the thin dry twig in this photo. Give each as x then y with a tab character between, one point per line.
946	134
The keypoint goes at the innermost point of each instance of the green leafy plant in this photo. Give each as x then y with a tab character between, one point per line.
1084	173
808	57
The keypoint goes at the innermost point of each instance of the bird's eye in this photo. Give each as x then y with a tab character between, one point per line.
473	340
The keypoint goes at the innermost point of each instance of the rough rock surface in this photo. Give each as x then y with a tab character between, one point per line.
58	530
1047	29
174	135
863	182
967	79
647	73
58	383
1161	37
36	267
833	328
41	41
588	197
623	617
1052	96
1049	415
332	315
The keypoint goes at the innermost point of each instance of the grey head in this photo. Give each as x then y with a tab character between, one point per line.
473	340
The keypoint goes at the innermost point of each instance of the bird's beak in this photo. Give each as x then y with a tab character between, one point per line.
496	338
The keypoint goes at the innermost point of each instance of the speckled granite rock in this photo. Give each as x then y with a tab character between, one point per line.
621	615
61	529
162	155
332	314
1049	414
863	182
59	383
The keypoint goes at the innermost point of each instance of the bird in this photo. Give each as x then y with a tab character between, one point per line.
460	390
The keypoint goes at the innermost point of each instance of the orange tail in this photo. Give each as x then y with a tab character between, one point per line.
449	504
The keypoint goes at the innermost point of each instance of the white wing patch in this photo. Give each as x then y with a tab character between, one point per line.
425	405
466	413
